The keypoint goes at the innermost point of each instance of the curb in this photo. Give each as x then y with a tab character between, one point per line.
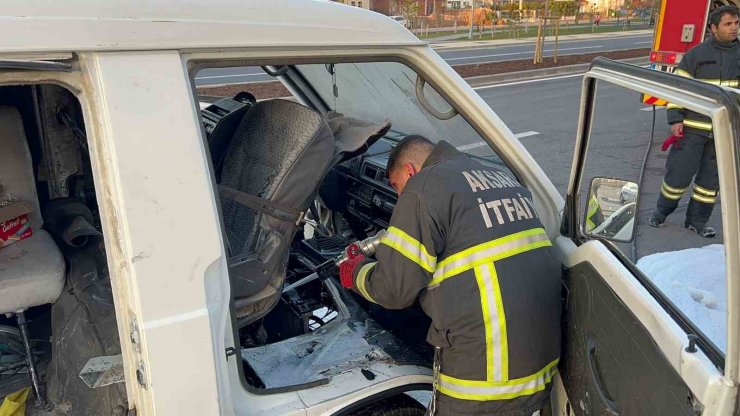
472	44
485	80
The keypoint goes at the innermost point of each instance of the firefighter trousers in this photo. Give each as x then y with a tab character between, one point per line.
694	158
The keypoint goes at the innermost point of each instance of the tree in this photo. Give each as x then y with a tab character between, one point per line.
409	9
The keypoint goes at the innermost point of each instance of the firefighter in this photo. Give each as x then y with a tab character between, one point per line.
465	239
594	216
693	154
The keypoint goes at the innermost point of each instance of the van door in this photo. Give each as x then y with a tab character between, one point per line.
631	343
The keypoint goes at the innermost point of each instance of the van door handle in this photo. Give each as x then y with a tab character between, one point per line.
611	406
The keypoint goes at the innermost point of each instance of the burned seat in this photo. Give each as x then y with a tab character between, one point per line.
271	173
32	270
279	154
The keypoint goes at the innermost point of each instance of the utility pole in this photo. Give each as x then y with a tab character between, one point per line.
472	15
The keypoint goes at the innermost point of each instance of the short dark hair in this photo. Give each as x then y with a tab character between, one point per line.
409	147
716	16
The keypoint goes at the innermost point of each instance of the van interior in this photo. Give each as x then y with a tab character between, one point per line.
297	183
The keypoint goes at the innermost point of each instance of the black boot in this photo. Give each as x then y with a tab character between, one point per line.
703	230
657	219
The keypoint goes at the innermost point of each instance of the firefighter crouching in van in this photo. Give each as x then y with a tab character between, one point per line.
693	153
465	239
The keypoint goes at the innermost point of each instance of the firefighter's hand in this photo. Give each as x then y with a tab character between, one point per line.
677	129
347	271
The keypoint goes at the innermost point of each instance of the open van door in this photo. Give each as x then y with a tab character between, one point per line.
633	345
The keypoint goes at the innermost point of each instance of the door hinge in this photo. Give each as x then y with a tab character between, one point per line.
134	335
141	375
229	352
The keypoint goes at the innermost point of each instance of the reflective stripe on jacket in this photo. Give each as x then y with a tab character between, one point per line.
713	62
466	240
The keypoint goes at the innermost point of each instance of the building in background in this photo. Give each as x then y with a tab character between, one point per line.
363	4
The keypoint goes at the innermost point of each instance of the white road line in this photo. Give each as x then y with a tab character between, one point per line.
528	81
526	134
643	43
520	53
230	76
651	108
157	323
472	146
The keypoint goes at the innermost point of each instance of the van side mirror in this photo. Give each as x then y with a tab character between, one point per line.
611	209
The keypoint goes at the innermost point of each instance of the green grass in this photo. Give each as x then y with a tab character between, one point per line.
532	32
432	35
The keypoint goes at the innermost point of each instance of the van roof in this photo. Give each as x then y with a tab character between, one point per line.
82	25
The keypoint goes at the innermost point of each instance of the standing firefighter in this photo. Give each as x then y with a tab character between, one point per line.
466	240
714	61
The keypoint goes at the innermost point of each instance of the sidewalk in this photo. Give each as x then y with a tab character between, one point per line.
440	44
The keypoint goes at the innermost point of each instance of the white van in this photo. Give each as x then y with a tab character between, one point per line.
164	235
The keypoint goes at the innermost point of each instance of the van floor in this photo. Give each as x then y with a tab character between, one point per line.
39	330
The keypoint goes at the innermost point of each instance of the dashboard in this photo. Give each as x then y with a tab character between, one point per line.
370	197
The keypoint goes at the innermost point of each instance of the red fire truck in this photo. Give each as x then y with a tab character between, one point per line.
681	24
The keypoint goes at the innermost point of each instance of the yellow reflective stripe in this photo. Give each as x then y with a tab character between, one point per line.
714	81
362	280
410	248
590	225
704	199
593	206
683	73
501	324
494	322
670	195
724	83
672	106
673	190
491	251
704	191
485	304
488	390
697	124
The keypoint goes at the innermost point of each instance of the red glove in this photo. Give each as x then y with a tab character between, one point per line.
671	140
347	271
347	268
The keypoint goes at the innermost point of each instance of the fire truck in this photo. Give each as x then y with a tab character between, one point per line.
680	26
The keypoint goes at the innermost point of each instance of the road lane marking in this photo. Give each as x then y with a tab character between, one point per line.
472	146
643	43
520	53
230	76
174	319
525	134
528	81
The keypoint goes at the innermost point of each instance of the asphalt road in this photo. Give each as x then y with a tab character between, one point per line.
544	115
478	54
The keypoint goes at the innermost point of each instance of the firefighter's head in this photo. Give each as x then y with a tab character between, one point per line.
724	23
406	159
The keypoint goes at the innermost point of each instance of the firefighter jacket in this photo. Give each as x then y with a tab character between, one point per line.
466	240
711	61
